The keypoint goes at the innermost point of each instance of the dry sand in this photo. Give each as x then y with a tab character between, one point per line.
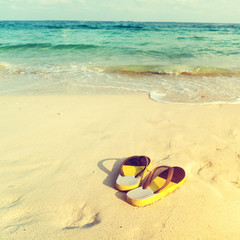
60	156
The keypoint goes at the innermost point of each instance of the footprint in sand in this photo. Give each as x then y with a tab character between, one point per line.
83	218
19	220
9	201
206	172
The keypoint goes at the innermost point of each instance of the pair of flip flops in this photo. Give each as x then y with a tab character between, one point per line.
132	172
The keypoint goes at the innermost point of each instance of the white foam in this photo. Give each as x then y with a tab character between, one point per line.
92	79
157	96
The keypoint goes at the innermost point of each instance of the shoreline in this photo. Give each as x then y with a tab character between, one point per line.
71	94
60	156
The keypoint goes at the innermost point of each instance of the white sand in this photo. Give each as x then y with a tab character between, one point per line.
60	156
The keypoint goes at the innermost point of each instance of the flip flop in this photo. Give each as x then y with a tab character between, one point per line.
131	172
154	189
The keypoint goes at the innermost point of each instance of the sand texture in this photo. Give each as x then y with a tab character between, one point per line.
60	156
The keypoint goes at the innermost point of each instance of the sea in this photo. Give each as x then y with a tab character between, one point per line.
190	63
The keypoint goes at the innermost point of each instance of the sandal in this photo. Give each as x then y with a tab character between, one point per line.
154	189
131	172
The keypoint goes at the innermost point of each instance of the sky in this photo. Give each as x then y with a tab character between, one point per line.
220	11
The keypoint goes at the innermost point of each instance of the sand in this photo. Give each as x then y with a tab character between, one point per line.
60	156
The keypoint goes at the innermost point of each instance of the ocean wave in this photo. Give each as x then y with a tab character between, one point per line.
73	26
25	46
42	46
46	69
170	84
138	70
105	50
74	46
173	70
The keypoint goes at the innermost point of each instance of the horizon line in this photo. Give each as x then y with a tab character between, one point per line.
58	20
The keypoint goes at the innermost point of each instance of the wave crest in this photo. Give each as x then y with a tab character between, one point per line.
49	46
174	70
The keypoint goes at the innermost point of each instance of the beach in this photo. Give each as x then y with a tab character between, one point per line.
60	156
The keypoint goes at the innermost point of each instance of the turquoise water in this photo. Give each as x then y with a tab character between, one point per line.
172	62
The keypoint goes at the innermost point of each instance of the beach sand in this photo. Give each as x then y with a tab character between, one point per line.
60	156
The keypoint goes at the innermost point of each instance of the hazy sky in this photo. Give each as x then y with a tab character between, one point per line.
122	10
